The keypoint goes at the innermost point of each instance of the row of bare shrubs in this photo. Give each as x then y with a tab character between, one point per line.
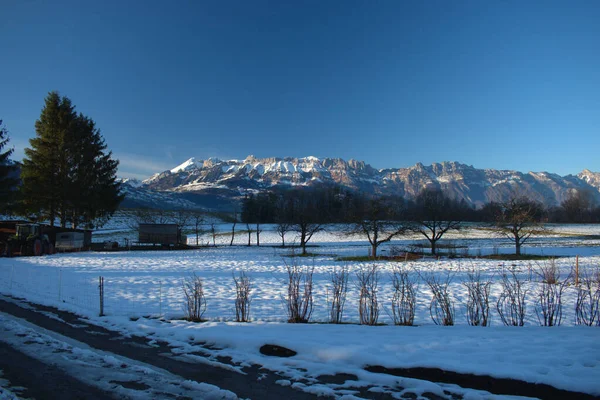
194	305
511	304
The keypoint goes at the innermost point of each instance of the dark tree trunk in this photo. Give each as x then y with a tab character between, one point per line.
232	234
303	242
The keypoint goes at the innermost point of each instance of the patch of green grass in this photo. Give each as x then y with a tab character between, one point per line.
439	246
309	254
577	235
514	257
411	257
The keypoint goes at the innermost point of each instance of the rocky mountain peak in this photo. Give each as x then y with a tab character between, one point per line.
475	186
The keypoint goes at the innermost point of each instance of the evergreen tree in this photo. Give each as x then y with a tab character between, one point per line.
94	189
44	167
8	181
67	173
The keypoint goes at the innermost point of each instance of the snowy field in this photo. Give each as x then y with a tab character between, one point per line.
148	285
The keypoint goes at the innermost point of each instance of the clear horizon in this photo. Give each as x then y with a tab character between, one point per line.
506	86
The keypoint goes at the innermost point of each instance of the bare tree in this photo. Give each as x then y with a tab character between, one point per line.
404	301
306	230
548	305
181	218
243	288
213	232
255	210
519	219
195	302
282	228
249	230
511	305
258	232
339	283
377	221
587	308
306	217
478	298
441	307
434	215
235	220
299	300
578	205
367	280
197	219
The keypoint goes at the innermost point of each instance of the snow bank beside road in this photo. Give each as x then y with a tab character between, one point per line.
564	357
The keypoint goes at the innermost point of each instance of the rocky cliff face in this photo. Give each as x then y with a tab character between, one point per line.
475	186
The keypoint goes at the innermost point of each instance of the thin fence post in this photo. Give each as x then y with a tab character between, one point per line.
59	283
577	270
101	286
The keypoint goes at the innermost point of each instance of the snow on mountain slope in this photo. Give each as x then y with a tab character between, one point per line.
591	178
475	186
186	166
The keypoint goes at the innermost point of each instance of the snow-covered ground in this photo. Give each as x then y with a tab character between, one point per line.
148	284
7	392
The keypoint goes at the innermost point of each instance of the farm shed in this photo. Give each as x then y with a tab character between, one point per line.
164	234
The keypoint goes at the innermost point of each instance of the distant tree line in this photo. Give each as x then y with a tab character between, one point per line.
68	175
432	214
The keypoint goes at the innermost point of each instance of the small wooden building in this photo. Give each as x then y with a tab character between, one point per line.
163	234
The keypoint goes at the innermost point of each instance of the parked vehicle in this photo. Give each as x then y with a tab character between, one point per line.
69	241
29	241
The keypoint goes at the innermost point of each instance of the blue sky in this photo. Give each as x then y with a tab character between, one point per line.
495	84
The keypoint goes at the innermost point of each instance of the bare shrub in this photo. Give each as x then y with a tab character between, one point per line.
511	303
299	300
243	288
367	280
478	300
195	302
587	308
339	283
441	307
548	305
549	272
404	300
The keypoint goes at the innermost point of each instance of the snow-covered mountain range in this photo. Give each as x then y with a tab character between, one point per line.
215	181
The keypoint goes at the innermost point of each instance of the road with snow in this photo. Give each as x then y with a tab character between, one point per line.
48	353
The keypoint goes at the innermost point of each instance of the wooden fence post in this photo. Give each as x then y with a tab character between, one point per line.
59	283
577	270
101	286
